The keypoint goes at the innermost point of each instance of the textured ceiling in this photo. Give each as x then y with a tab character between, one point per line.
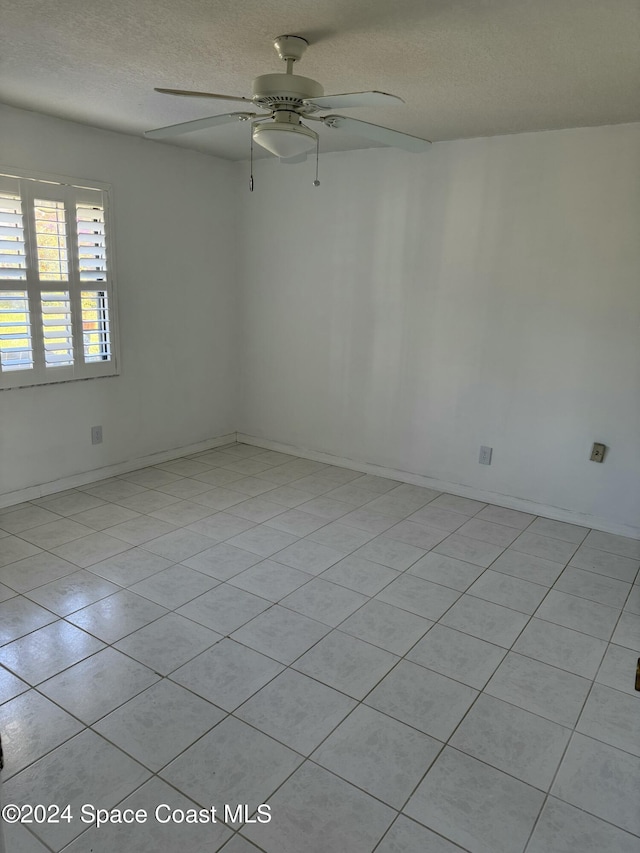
464	67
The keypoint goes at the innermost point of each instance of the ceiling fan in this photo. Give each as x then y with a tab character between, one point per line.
285	100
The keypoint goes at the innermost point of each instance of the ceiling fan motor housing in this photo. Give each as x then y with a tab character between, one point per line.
271	90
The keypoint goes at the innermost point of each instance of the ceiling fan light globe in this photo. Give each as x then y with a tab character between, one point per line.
284	140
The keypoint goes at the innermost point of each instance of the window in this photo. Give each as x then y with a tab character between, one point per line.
56	283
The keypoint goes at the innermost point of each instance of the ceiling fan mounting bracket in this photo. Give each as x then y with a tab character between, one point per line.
290	47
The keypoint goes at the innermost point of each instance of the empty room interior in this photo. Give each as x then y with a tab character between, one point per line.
319	419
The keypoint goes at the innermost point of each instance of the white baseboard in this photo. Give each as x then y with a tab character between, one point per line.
508	501
82	479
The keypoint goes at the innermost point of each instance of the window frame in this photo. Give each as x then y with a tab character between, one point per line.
71	191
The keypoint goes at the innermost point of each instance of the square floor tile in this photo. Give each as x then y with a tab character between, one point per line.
457	655
6	593
47	651
485	620
390	552
219	498
418	596
324	507
621	545
140	529
535	686
188	488
382	756
97	685
10	686
296	710
174	586
511	592
12	548
178	545
224	608
439	517
558	530
340	537
281	633
168	643
248	766
130	567
348	820
508	517
475	805
469	550
599	620
603	563
633	602
72	592
360	575
155	835
327	602
227	674
85	769
566	829
215	477
150	477
416	534
222	561
580	782
465	506
488	531
386	626
612	717
20	840
308	556
32	572
593	586
32	726
520	743
19	616
346	663
251	487
627	631
296	522
112	489
447	571
288	495
618	669
90	549
561	647
423	699
147	501
257	509
406	836
104	515
555	550
529	568
55	533
369	520
159	724
262	540
114	617
270	580
26	517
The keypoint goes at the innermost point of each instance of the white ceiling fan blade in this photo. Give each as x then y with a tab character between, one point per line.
354	99
198	124
186	93
377	134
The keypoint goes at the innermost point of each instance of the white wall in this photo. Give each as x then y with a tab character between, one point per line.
175	220
414	307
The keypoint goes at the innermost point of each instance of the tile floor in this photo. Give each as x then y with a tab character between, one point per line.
387	667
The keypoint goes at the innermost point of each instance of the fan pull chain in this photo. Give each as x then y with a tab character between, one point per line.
316	183
251	160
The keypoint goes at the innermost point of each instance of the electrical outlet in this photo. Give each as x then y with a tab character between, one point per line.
96	435
597	452
485	455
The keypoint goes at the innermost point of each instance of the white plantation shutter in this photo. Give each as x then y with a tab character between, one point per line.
56	289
